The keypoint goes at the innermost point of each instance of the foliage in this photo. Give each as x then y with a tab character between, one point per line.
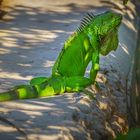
133	134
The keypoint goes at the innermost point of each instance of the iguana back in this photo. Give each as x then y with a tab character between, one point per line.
75	56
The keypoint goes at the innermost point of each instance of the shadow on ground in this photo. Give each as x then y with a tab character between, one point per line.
40	118
31	39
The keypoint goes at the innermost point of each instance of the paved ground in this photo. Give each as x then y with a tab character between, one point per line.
32	35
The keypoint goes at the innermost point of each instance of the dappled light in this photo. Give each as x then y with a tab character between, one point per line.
25	33
29	29
33	112
125	49
32	35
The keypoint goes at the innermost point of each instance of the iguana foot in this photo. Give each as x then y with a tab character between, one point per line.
77	83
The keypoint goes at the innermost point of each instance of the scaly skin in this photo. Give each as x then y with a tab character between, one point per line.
96	35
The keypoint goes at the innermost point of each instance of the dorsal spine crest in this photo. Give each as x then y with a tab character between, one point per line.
85	21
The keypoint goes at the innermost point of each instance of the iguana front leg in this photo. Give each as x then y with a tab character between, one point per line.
49	86
95	66
95	56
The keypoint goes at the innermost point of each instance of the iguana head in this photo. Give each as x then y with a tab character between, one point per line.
106	27
106	22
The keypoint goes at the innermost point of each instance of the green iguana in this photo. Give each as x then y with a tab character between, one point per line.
96	35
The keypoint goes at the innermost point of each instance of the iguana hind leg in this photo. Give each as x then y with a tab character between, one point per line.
59	84
48	86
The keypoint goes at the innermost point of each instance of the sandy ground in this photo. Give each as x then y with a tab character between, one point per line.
32	34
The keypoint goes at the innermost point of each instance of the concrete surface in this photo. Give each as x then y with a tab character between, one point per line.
32	35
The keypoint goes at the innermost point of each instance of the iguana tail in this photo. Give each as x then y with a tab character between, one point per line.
39	87
19	92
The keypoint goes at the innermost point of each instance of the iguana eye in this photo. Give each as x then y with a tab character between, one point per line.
101	38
